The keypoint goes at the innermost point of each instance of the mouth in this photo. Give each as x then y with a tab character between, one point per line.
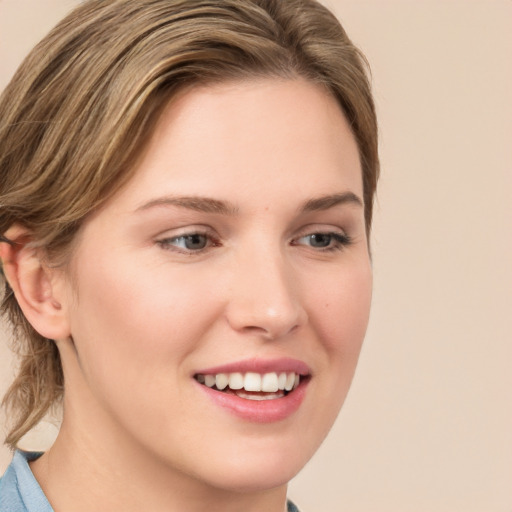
252	385
256	390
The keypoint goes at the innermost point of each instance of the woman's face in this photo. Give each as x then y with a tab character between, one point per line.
237	255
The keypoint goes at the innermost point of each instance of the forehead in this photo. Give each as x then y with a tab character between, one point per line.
238	139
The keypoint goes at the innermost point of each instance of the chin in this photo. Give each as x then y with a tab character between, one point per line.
253	477
267	466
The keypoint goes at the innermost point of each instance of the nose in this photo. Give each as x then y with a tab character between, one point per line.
264	297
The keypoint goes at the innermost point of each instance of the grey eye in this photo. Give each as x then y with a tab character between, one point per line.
326	241
319	240
192	242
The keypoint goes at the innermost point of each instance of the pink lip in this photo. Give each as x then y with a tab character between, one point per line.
260	366
264	411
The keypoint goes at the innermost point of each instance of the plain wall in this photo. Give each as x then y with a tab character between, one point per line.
427	425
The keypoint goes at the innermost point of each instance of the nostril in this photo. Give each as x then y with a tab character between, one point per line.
270	332
254	329
267	309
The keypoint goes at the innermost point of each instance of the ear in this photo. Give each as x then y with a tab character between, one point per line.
34	284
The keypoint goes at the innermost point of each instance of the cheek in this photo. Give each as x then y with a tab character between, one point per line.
341	311
129	322
133	332
338	315
340	319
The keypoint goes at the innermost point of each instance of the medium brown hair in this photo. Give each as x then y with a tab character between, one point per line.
84	102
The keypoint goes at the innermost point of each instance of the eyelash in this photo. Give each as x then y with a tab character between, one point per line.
169	243
341	241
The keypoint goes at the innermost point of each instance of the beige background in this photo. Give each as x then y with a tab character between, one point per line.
428	423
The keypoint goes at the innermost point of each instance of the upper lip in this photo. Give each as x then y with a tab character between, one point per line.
259	366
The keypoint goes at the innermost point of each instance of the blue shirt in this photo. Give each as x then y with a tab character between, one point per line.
20	492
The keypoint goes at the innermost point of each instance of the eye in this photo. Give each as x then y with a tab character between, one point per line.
188	242
319	240
324	241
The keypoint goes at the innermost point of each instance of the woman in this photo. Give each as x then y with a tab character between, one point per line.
185	206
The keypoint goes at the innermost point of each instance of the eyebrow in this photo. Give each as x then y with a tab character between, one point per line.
329	201
210	205
197	203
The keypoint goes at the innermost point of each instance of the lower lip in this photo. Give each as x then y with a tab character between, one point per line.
259	411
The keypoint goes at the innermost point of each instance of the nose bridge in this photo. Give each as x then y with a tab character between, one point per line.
264	295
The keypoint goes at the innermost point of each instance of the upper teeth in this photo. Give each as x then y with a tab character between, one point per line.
250	381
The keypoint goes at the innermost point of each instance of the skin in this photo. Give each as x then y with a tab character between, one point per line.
137	313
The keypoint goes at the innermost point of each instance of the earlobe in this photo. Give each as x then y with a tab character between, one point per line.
33	284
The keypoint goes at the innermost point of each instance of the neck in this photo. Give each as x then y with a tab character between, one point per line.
95	465
80	477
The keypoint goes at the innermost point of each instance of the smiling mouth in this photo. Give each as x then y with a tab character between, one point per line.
251	385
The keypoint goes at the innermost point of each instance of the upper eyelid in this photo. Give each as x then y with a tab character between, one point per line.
166	244
170	234
334	234
320	228
163	238
184	231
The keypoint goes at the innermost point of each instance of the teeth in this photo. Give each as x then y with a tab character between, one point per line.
221	380
270	383
236	381
281	381
290	381
259	398
253	382
209	380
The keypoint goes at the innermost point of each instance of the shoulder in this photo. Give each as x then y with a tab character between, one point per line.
291	507
19	490
10	498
